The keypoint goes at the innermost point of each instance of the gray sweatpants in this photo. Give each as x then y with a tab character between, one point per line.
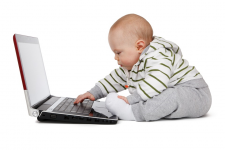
188	99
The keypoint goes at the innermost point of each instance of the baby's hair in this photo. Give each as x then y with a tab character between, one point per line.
134	26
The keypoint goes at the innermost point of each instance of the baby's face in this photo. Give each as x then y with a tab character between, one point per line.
125	51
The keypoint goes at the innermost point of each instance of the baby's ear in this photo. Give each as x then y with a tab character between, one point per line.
140	44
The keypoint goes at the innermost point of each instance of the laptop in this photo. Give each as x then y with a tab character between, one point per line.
43	105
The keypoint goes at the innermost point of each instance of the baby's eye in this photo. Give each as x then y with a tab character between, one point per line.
118	53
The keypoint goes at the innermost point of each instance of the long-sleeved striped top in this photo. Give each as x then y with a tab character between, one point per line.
160	66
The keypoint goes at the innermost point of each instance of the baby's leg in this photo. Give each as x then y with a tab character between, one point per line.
192	102
189	99
119	107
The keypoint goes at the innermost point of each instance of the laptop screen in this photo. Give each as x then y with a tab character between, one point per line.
34	71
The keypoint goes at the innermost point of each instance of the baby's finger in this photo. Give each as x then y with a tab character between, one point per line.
82	98
75	101
119	96
78	99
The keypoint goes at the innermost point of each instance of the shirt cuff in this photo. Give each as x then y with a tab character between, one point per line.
96	92
134	98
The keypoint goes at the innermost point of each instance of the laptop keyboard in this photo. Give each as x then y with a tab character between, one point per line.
67	106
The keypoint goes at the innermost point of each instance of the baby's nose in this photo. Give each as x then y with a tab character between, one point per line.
116	58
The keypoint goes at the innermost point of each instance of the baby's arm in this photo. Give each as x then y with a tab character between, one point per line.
96	92
114	82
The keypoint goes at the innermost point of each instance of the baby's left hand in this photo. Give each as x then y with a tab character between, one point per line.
123	98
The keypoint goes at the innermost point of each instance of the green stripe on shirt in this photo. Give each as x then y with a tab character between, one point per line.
178	49
152	86
144	91
132	86
181	63
179	81
117	82
165	42
196	74
157	80
153	58
119	76
165	66
173	60
111	84
138	71
160	44
189	71
137	80
153	47
169	60
104	87
159	71
179	71
146	62
170	51
122	70
163	54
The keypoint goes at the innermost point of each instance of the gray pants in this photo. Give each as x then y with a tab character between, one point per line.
189	99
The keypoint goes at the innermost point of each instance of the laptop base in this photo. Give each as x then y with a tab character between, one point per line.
50	116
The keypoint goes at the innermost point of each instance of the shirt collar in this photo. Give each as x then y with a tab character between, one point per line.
143	54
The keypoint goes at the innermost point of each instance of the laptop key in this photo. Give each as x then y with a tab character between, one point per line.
89	105
66	104
90	102
85	101
82	107
60	104
68	109
75	108
69	100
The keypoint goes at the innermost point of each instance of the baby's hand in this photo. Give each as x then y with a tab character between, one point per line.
81	98
123	98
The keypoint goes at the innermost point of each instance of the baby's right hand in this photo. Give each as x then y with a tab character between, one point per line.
81	98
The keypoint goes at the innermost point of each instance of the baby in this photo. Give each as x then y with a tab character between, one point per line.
161	83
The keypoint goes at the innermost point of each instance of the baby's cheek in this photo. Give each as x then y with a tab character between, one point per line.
130	61
126	62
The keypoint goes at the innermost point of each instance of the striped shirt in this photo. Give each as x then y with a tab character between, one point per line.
160	66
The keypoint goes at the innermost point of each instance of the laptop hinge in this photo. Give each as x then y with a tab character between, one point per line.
32	111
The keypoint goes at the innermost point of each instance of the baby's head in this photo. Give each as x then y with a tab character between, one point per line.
128	37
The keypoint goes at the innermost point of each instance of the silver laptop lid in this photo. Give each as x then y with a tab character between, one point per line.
32	69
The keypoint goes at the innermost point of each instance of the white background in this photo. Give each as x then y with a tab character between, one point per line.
74	41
